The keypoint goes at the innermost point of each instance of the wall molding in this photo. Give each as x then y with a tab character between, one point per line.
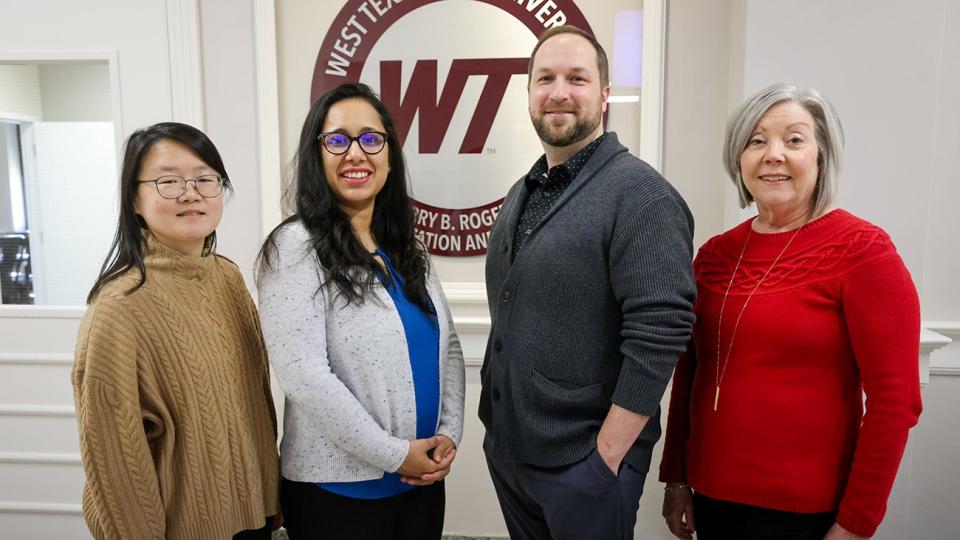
654	62
40	508
36	359
951	329
59	411
946	360
186	69
35	458
465	293
268	115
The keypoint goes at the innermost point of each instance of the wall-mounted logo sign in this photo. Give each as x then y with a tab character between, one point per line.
453	74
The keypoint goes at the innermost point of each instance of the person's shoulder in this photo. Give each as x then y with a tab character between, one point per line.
230	270
291	239
719	244
120	289
857	240
629	174
110	311
291	233
290	245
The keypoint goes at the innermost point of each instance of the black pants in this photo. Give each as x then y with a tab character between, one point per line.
724	520
263	533
311	512
582	501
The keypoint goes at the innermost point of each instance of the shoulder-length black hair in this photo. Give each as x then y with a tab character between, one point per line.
126	252
337	246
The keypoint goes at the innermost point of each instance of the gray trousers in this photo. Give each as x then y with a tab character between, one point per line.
582	501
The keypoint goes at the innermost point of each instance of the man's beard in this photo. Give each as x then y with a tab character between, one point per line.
581	129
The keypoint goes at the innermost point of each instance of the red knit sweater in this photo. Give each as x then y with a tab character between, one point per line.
837	315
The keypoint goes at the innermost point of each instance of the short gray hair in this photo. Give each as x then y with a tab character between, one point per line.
827	130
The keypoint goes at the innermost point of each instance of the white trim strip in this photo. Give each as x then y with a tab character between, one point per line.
465	292
186	73
268	114
65	411
40	508
472	324
652	104
34	458
36	359
951	329
623	99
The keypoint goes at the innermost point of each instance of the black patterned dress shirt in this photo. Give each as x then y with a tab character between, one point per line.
546	188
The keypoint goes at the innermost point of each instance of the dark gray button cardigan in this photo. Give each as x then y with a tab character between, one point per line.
599	308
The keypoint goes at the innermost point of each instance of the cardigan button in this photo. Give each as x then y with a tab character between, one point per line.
504	248
497	345
506	295
496	394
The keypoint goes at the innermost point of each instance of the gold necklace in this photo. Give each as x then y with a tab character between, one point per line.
726	360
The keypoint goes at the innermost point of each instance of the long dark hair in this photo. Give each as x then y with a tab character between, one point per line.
337	246
126	252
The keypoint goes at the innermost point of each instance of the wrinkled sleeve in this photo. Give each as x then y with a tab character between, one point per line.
651	272
254	320
121	497
882	314
451	403
673	466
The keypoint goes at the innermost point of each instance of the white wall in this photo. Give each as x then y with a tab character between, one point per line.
20	92
885	91
941	284
136	30
700	45
40	472
229	90
78	92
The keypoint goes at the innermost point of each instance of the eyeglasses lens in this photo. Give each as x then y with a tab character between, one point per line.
339	143
371	142
171	187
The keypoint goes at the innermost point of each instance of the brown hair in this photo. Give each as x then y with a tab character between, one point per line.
602	64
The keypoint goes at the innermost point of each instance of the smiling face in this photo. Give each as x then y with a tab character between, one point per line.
779	164
566	100
354	176
185	222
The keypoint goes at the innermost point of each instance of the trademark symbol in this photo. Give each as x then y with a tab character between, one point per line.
491	150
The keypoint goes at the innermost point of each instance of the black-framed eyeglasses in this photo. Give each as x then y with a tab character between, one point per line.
172	187
371	142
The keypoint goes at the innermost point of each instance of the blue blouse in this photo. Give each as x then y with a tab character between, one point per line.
423	343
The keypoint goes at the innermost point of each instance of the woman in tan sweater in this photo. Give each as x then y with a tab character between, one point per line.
177	425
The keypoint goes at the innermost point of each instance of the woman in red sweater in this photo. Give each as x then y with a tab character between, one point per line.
801	311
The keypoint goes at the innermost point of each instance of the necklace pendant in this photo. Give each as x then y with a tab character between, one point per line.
716	399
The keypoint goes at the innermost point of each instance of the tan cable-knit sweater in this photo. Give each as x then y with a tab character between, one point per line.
177	426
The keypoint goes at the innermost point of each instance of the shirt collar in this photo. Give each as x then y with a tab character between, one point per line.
539	176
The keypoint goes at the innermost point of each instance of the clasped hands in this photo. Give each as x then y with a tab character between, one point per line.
428	460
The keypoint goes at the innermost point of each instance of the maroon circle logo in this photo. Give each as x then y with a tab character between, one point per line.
449	145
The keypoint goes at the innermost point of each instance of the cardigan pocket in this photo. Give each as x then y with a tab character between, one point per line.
555	391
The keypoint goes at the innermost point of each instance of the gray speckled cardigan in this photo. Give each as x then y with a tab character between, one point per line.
350	408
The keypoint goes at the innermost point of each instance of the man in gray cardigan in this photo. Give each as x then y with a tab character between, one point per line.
591	292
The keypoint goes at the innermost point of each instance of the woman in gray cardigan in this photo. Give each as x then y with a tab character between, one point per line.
359	336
